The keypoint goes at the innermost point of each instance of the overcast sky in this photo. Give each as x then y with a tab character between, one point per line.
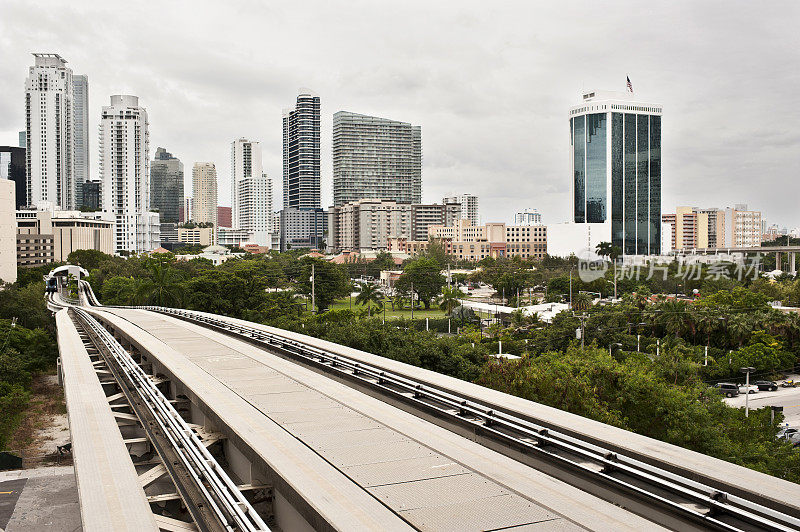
490	83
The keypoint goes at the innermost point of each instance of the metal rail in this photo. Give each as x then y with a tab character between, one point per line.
221	495
689	499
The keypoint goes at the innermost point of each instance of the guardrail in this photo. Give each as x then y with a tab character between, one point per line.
222	496
687	498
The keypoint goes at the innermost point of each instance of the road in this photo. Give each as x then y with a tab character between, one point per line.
788	398
39	499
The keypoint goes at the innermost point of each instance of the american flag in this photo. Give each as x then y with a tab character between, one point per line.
630	85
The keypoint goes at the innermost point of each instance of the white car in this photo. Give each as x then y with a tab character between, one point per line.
748	389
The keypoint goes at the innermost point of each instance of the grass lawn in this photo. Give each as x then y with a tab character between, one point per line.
434	312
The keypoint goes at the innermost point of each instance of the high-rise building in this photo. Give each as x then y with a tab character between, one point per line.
301	149
50	142
245	164
204	189
469	206
255	207
166	185
125	174
12	167
301	221
23	139
528	217
80	120
375	158
615	156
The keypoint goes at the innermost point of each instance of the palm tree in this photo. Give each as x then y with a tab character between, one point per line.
369	293
675	318
740	327
450	299
163	288
581	301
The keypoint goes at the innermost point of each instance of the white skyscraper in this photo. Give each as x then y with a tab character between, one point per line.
469	207
245	164
528	217
49	123
80	95
125	174
255	207
204	188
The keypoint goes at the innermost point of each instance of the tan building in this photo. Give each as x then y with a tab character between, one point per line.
742	227
693	227
368	224
204	189
203	236
49	235
8	224
468	242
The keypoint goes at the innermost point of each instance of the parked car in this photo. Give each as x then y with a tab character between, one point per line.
790	434
727	388
766	386
748	389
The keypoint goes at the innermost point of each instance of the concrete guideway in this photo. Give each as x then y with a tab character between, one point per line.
108	485
740	499
423	472
719	473
340	456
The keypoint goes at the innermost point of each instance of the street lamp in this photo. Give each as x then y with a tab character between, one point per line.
747	371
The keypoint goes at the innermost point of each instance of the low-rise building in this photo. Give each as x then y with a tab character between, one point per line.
8	224
46	235
368	224
712	228
467	242
227	236
192	236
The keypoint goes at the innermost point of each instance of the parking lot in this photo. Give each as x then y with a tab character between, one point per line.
788	398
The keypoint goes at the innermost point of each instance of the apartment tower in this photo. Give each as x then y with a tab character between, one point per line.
125	174
204	188
80	111
302	220
375	158
50	143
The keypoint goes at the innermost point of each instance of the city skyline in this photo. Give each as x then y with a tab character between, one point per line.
714	147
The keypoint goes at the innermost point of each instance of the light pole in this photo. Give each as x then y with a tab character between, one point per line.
570	287
313	301
747	371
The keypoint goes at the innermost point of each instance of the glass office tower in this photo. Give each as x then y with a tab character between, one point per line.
615	148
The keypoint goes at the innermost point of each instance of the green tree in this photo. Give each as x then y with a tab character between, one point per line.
367	295
450	299
330	281
424	274
164	287
88	258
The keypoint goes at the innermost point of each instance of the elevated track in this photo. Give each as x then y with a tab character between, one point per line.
349	440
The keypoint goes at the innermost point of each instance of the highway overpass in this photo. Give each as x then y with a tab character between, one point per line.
184	420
